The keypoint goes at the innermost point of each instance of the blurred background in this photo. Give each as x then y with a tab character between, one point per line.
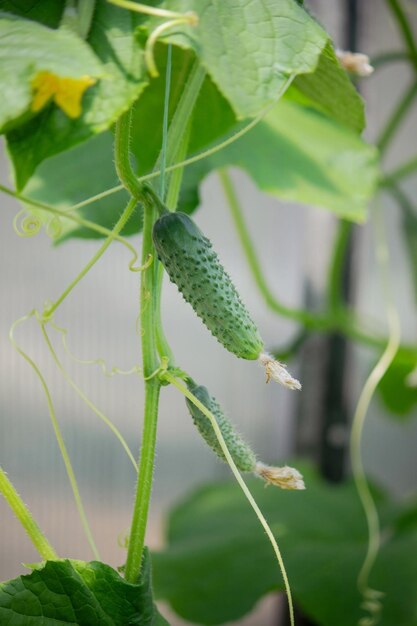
294	244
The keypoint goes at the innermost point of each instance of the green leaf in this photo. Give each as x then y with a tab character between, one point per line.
47	12
251	48
112	41
397	391
66	179
330	90
212	115
26	48
216	549
68	592
298	154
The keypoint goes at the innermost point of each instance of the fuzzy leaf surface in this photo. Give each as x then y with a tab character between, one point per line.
65	179
27	48
74	593
251	48
300	155
330	90
112	42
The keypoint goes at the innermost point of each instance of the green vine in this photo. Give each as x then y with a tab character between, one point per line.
24	516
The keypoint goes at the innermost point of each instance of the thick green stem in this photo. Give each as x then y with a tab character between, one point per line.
152	389
149	308
122	156
24	516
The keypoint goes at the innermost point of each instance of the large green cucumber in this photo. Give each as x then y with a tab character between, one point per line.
194	267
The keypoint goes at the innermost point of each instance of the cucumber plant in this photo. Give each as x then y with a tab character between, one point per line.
130	87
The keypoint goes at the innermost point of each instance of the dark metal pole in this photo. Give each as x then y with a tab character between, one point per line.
335	424
327	403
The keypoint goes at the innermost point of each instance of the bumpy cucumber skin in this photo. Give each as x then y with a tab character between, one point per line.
240	451
194	267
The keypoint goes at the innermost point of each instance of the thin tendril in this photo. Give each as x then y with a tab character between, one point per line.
109	372
26	225
372	597
79	392
165	123
146	9
58	434
171	379
193	159
156	34
74	218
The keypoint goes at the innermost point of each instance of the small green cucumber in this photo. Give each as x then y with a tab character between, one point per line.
240	451
194	267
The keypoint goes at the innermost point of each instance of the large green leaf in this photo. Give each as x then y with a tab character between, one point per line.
298	154
68	592
295	154
216	549
47	12
66	178
112	41
330	90
27	48
251	48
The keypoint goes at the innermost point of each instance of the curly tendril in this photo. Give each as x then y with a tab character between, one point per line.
107	371
57	430
26	224
174	18
373	605
372	597
54	227
188	19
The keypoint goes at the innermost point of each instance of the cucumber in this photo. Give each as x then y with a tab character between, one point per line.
191	263
240	451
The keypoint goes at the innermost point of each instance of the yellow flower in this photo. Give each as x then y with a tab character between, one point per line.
66	92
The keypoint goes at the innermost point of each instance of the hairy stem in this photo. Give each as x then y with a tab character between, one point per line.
24	516
152	389
122	156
